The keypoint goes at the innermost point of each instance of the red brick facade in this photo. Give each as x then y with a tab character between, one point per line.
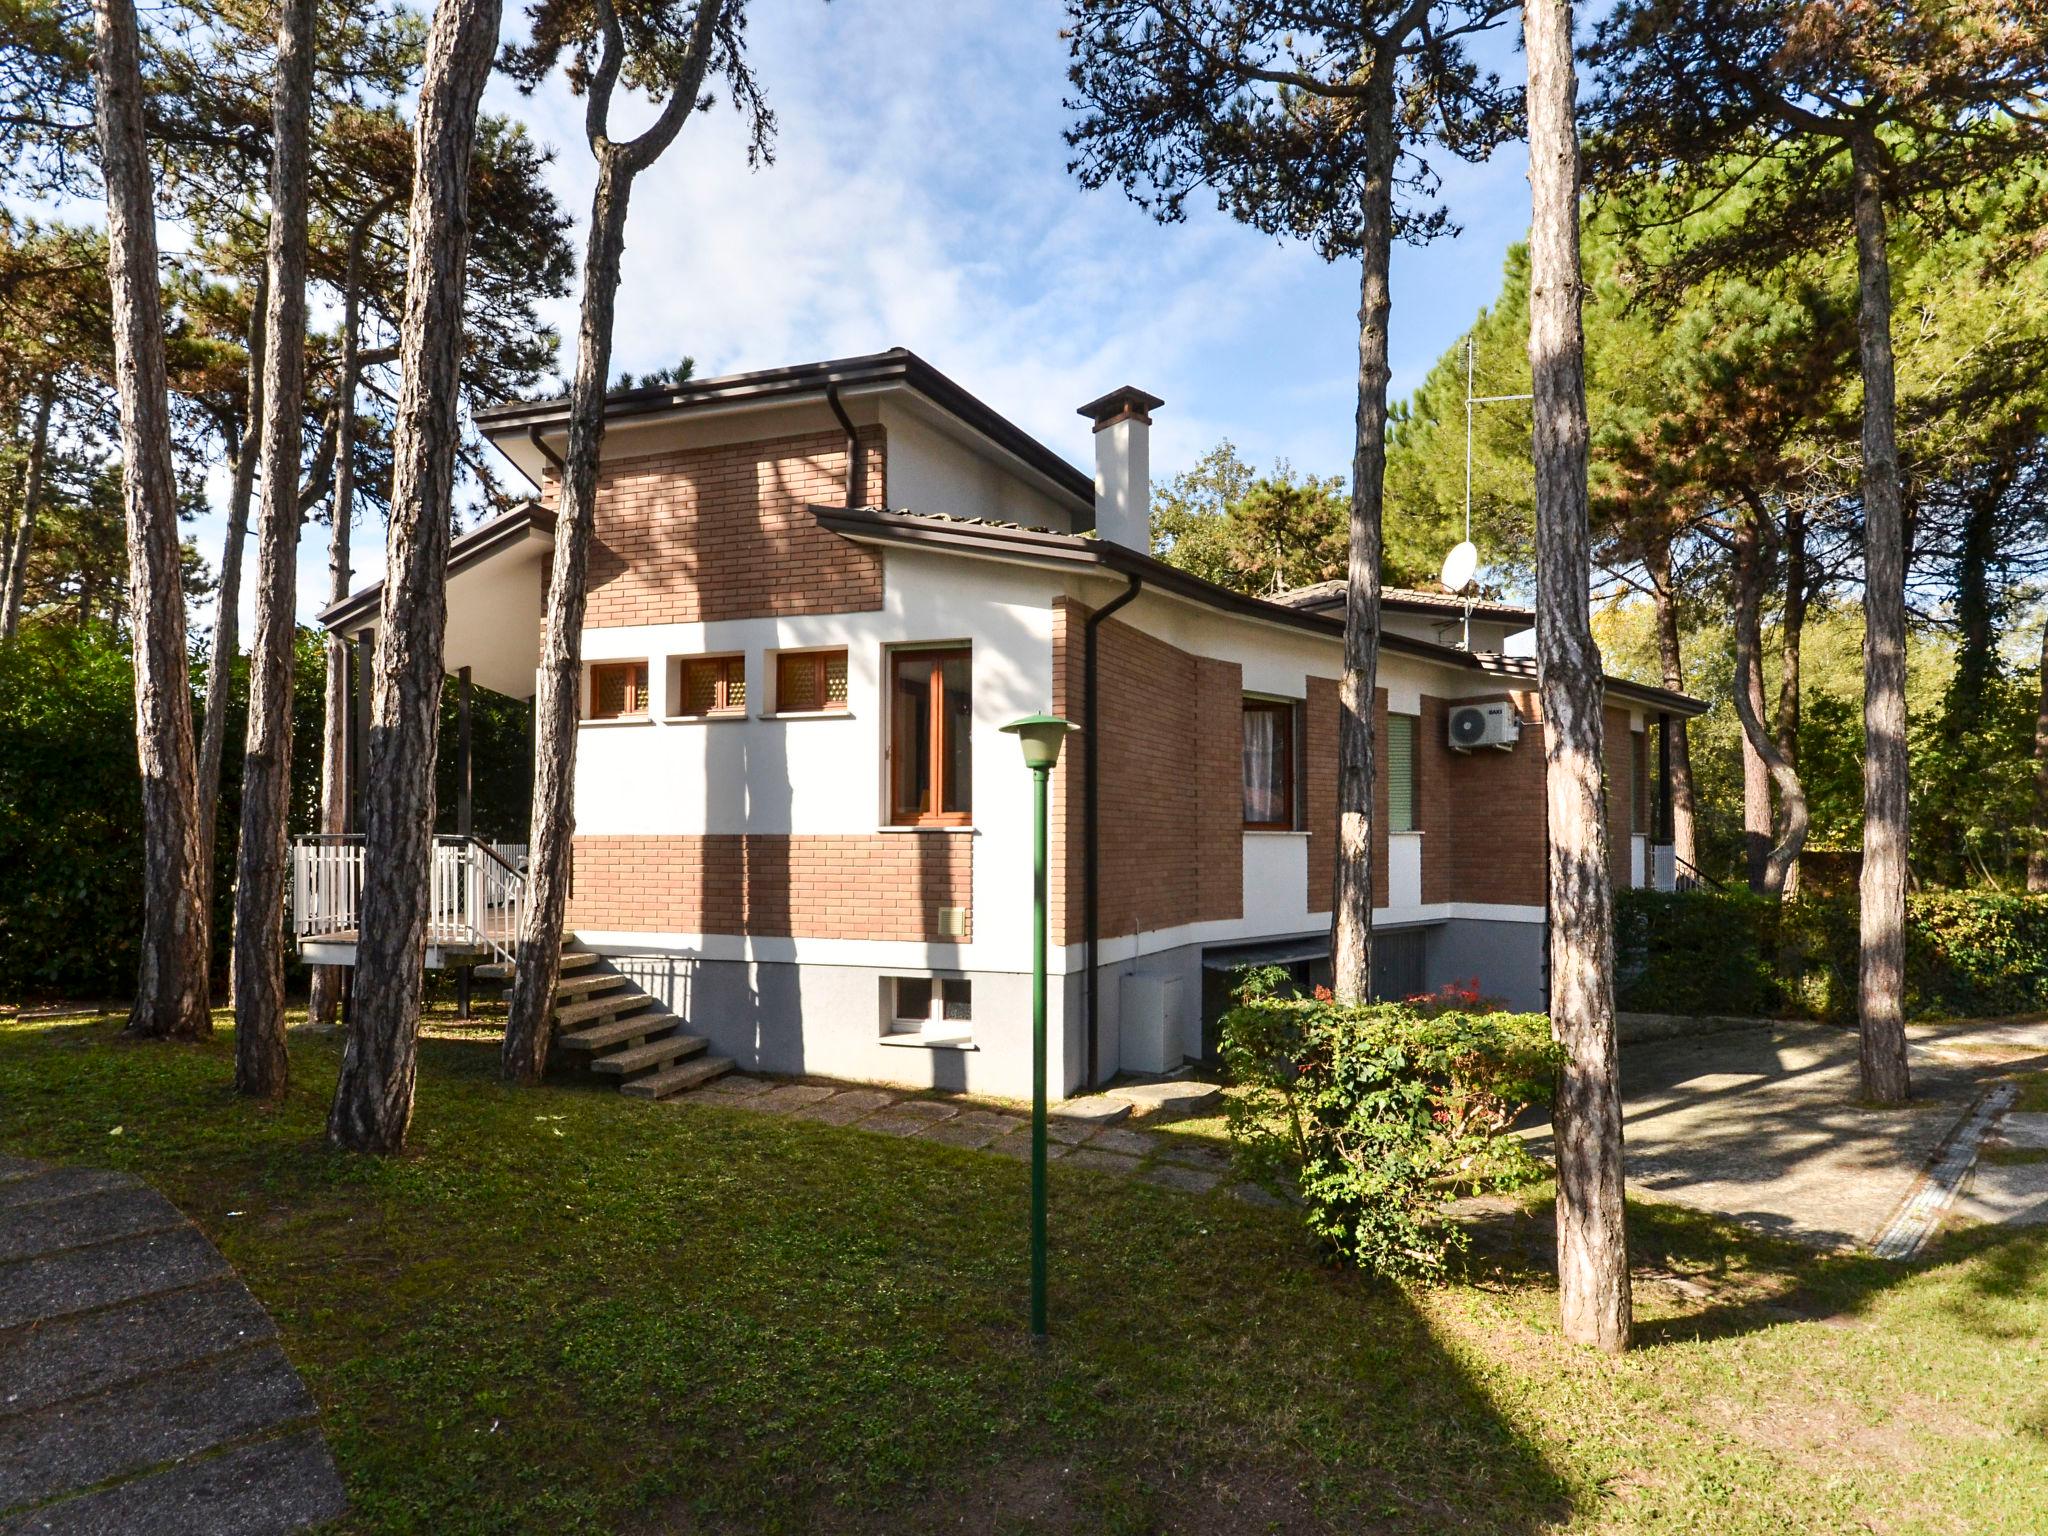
884	886
1498	852
721	533
1169	728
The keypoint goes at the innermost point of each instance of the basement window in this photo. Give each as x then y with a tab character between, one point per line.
928	1010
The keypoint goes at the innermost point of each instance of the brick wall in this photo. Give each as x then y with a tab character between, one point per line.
1318	780
884	886
1169	729
1498	852
721	533
1618	754
1434	761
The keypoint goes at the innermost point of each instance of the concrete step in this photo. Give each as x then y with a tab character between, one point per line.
653	1054
603	1007
586	984
684	1075
572	961
634	1026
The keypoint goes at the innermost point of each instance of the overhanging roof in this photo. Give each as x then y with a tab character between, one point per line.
1038	546
1331	594
896	367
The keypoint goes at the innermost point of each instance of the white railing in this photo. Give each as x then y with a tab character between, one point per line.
476	891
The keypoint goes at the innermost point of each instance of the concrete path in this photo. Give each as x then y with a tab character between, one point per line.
1762	1124
1091	1132
141	1385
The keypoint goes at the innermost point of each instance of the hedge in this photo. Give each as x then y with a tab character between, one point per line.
1968	954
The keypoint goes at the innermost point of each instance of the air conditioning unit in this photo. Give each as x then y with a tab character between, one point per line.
1484	725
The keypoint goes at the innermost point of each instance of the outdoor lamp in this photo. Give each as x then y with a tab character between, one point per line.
1040	736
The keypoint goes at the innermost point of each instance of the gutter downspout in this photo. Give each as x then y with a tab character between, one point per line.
1091	883
541	447
856	470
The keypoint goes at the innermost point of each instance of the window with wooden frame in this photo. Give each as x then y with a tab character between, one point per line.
711	685
810	682
931	707
1268	765
618	690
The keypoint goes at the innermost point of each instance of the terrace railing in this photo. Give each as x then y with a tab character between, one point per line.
476	891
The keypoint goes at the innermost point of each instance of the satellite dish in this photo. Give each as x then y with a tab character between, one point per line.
1460	566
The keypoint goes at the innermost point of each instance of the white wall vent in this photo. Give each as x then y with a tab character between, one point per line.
1484	725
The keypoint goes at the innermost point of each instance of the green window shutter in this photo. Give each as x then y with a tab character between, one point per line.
1400	773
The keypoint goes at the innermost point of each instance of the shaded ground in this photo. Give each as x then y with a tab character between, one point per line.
141	1385
1762	1125
567	1311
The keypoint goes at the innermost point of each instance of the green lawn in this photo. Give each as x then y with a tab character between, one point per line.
567	1311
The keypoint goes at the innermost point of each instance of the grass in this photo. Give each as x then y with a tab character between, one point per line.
568	1311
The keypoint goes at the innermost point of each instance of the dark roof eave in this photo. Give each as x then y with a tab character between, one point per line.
477	544
1069	549
896	366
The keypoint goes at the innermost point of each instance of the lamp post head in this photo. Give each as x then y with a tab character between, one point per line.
1040	736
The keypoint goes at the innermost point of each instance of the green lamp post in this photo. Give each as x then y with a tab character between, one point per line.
1040	736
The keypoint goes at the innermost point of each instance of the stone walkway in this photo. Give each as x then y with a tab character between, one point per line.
1763	1125
141	1385
1091	1132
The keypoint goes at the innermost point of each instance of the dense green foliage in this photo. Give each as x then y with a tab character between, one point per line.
1377	1115
71	799
1979	953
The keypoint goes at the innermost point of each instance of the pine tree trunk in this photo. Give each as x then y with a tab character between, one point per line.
2037	847
1592	1242
16	575
1351	903
1756	789
1793	625
373	1098
261	1062
170	983
1664	597
323	1007
227	621
525	1052
1749	706
1881	978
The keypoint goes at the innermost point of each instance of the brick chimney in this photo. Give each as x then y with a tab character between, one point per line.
1123	466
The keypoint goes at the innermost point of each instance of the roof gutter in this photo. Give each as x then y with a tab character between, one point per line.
541	447
1091	873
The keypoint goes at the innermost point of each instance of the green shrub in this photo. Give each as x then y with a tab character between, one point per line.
1378	1115
1968	954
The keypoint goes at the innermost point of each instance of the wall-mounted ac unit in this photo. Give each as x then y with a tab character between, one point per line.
1484	725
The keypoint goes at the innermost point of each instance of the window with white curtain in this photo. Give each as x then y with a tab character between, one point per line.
1269	765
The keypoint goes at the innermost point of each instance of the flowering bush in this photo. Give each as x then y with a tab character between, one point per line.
1381	1114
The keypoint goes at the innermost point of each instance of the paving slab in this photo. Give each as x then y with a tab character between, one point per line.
1176	1097
792	1096
974	1129
20	1167
54	1285
1190	1181
1072	1132
1257	1194
143	1424
844	1108
742	1085
1102	1162
1018	1144
2010	1194
1195	1154
2024	1130
278	1485
925	1110
47	1184
1117	1139
91	1216
1765	1127
77	1356
1092	1109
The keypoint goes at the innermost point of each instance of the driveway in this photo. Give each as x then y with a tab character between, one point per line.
1762	1124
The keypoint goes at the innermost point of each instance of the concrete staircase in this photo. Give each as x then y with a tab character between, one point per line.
621	1031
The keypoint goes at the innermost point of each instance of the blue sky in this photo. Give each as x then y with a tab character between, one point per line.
920	198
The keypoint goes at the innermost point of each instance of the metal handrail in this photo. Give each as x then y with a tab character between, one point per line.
475	894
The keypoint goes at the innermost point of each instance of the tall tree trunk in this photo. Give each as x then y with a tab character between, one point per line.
227	621
1351	903
170	982
324	1005
31	499
1756	789
525	1052
1664	597
1976	654
1881	974
2037	846
1793	632
373	1097
261	1062
1749	703
1592	1240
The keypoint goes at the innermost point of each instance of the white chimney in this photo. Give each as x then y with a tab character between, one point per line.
1123	466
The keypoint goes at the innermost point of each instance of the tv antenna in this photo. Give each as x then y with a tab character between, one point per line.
1463	561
